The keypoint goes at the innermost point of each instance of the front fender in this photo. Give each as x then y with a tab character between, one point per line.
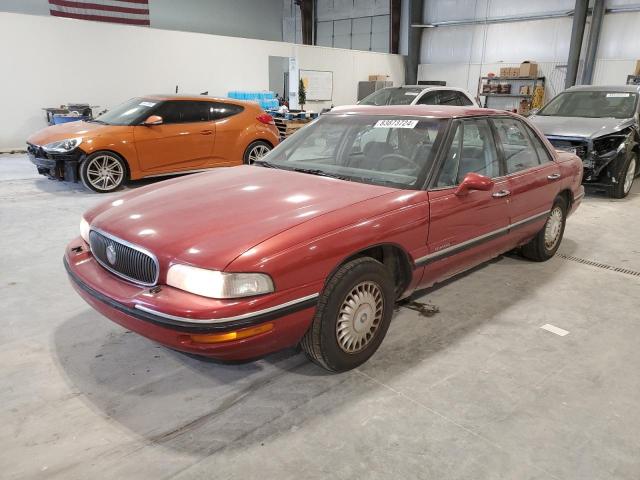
310	252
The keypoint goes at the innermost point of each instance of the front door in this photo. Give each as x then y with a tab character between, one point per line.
532	177
184	141
466	230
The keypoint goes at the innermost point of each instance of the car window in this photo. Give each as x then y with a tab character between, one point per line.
471	150
463	100
392	96
429	98
543	154
374	149
183	111
448	97
219	110
519	152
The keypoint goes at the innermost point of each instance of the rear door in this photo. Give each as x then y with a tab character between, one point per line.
183	141
466	230
532	176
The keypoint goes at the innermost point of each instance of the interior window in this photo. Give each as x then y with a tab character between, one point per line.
472	150
183	111
429	98
519	152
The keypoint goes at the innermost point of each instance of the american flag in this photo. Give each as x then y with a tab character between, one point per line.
131	12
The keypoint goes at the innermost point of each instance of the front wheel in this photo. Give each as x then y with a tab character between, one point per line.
546	243
353	314
103	172
625	179
255	151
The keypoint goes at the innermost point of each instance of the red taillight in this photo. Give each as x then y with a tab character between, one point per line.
266	119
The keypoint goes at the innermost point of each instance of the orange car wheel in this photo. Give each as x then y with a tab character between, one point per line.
103	172
255	151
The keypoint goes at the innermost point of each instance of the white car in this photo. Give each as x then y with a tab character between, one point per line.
420	95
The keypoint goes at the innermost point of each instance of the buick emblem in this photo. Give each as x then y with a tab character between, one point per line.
111	254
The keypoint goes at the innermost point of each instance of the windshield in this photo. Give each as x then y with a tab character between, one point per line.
128	113
392	96
592	105
378	150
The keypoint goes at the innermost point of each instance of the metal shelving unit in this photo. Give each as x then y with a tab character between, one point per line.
508	101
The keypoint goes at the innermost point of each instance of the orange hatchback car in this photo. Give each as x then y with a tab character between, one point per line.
154	136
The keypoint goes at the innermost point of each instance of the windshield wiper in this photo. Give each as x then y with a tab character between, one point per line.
95	120
265	164
320	173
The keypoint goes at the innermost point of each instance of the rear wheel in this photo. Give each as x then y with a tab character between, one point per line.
546	243
626	177
103	172
353	314
255	151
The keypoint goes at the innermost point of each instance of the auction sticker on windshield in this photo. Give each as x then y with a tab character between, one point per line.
618	95
396	124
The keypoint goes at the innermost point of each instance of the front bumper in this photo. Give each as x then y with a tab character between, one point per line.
62	166
168	316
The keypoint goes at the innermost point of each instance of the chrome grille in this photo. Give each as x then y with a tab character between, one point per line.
127	260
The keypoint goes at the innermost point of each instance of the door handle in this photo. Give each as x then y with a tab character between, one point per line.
206	132
554	176
501	193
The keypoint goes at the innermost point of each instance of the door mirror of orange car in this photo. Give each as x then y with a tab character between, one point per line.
153	120
474	181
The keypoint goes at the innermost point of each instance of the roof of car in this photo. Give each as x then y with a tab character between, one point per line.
437	111
193	97
606	88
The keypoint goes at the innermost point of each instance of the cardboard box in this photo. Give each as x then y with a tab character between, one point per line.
509	72
637	71
377	78
528	69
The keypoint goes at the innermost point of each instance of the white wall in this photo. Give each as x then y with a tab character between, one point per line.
260	19
105	64
234	18
461	54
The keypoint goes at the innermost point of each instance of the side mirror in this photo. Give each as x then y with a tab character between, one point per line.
474	181
153	120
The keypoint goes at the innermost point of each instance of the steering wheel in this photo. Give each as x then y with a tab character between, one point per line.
396	156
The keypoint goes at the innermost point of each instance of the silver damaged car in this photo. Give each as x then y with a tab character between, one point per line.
601	125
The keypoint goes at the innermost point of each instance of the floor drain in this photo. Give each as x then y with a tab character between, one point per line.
604	266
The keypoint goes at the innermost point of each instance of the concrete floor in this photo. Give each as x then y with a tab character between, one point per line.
478	391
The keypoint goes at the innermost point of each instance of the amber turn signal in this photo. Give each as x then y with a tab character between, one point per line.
230	336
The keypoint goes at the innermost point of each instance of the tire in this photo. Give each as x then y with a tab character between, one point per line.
255	151
103	172
625	178
342	341
547	241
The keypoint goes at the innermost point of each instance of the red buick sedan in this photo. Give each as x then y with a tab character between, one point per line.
314	244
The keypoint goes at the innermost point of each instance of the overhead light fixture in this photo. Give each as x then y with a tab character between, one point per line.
424	25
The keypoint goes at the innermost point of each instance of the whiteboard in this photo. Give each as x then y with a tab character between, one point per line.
318	84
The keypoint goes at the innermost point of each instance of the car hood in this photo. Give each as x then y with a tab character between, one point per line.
63	131
210	219
579	126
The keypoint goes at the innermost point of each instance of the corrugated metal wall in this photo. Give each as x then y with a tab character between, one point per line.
461	54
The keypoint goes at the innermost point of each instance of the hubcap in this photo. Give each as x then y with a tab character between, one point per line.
105	172
553	228
631	173
258	152
359	317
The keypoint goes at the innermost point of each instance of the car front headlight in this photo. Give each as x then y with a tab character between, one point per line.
215	284
62	146
84	229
